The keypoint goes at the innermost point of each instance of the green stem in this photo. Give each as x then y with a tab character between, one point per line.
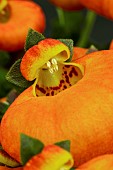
3	5
61	18
86	31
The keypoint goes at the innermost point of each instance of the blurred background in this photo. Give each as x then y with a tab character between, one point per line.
101	34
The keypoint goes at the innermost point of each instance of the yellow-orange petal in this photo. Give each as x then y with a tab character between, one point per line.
40	54
51	158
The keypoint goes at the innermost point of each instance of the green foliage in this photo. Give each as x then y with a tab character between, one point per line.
64	144
29	147
71	27
14	76
69	43
5	86
33	38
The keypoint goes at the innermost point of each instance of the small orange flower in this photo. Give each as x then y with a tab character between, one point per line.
15	19
51	158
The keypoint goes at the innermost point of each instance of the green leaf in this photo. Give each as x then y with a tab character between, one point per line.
64	144
33	38
3	107
91	49
5	86
69	43
14	76
29	147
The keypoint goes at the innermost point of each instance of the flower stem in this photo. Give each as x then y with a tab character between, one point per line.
3	5
61	18
86	31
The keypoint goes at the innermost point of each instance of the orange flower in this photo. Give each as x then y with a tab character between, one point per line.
68	4
104	162
102	7
14	27
51	158
79	106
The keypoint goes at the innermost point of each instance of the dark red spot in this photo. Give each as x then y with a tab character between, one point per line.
67	79
56	88
65	72
41	89
52	93
61	81
73	71
67	66
65	87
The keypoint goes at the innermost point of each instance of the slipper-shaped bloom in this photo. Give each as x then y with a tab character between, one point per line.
51	158
46	62
82	113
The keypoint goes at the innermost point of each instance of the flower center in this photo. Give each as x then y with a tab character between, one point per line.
55	77
52	65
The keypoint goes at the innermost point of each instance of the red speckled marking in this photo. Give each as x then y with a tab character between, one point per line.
69	73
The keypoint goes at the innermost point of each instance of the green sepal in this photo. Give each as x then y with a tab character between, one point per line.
91	49
29	147
32	39
69	44
64	144
15	77
3	107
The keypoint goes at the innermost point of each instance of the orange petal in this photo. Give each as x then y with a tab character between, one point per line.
102	7
51	158
111	45
104	162
40	54
78	53
68	4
